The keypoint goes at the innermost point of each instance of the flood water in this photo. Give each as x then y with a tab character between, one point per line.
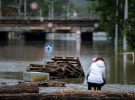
17	55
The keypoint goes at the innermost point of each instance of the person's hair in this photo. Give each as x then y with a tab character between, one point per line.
99	58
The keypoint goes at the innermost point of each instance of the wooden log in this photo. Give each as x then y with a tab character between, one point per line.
66	94
97	95
20	88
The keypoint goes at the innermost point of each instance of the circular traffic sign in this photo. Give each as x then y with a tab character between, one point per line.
78	32
50	24
34	5
96	25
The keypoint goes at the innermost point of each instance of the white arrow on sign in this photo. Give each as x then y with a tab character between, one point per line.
48	47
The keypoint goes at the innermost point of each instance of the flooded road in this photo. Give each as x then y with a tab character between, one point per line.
17	55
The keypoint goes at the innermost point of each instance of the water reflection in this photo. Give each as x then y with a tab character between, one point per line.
48	49
116	63
78	45
71	80
16	56
10	76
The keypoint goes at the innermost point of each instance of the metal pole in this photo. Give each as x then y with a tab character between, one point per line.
52	10
40	12
0	8
116	43
67	11
125	17
49	12
116	27
51	7
25	8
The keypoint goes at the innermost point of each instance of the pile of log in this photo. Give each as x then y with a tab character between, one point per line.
67	94
61	67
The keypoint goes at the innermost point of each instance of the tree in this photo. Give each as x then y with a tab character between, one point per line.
107	11
57	5
15	4
129	25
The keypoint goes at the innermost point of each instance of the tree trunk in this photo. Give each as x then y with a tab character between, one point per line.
67	94
20	88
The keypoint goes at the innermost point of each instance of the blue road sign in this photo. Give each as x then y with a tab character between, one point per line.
48	47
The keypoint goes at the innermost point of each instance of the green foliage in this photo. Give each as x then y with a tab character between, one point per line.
81	10
129	26
107	10
42	4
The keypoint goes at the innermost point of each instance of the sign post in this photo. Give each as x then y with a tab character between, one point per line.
34	5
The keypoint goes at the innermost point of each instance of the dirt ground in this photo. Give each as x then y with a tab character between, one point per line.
107	87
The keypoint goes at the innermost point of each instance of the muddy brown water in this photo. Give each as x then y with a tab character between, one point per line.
17	55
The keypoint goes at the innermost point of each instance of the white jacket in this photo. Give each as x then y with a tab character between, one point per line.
96	72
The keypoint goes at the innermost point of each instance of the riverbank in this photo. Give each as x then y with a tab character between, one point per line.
107	87
70	92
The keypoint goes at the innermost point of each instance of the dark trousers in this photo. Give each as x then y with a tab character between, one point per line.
96	85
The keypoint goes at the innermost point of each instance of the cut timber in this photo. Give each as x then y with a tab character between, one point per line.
57	58
46	84
66	94
20	88
58	84
61	67
96	95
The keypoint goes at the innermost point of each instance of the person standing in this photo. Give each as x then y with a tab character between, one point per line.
96	74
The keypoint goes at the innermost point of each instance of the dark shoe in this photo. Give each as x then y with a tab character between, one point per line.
94	88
